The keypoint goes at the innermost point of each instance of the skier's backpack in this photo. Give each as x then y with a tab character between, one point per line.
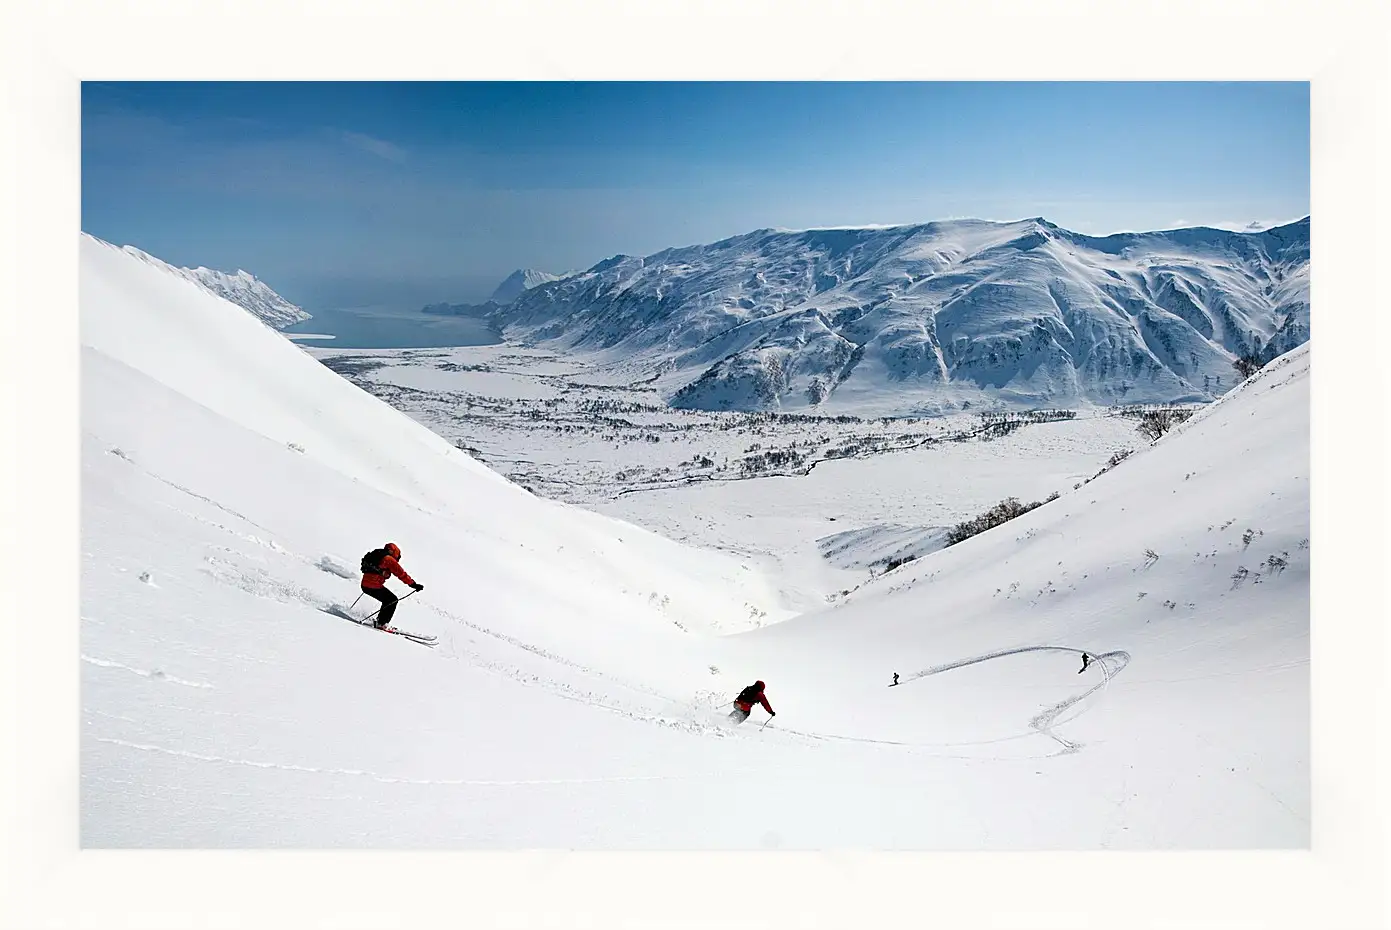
372	562
748	695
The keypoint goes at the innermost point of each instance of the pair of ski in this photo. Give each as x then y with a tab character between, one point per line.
346	613
413	637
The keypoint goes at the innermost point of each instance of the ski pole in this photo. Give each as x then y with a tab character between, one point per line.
765	723
379	609
354	603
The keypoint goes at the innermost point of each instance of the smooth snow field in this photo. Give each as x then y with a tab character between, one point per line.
230	484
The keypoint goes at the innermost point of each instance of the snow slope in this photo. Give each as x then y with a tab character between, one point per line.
1185	569
230	483
243	289
928	318
179	350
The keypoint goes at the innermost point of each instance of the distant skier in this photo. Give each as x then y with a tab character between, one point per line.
377	566
895	679
1086	660
743	704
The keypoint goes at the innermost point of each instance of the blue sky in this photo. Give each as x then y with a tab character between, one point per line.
350	194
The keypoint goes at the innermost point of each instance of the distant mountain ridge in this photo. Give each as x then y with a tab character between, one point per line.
934	317
523	279
513	286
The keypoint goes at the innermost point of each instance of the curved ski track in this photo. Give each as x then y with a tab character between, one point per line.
1041	724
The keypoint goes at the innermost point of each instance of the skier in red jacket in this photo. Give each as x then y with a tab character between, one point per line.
743	704
377	566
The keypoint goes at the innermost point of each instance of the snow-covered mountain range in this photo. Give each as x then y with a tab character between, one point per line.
935	317
243	289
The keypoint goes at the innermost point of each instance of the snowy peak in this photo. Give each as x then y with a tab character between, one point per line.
250	293
243	289
523	279
932	317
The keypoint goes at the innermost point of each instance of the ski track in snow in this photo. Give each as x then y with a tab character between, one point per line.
393	779
559	688
260	583
155	674
136	788
1044	721
544	654
267	543
270	544
178	487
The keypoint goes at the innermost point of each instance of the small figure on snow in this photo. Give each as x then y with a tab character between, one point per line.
1086	660
743	704
895	679
377	566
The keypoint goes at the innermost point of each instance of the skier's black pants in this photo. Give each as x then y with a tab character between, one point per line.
388	604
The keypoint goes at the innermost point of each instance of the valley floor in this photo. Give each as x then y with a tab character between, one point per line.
823	502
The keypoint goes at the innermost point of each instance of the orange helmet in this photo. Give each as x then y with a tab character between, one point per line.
393	550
